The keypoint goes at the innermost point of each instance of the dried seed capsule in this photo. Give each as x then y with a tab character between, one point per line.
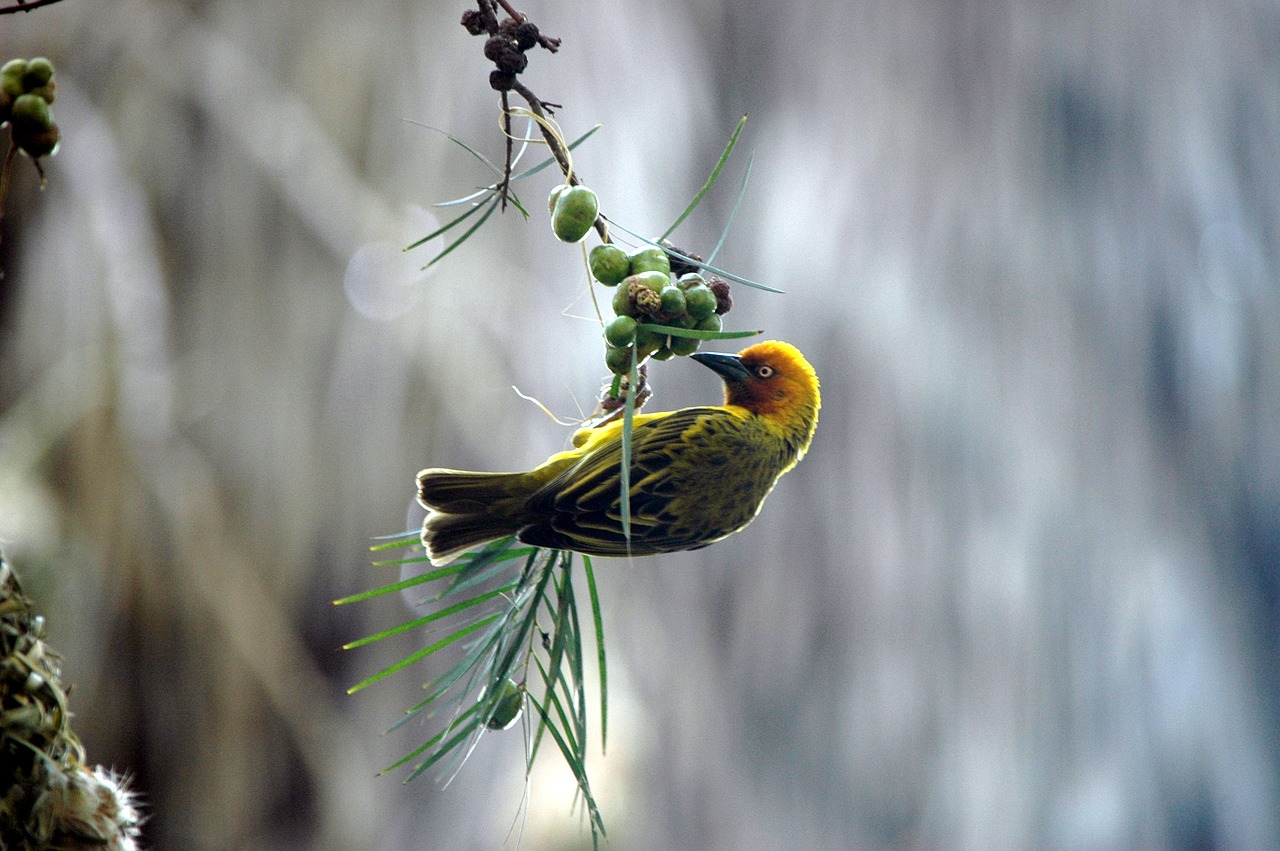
575	213
510	705
609	264
700	302
501	81
620	331
650	258
618	360
526	35
672	300
724	302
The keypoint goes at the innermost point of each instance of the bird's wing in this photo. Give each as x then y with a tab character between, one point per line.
585	501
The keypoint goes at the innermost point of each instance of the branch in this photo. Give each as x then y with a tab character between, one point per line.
22	6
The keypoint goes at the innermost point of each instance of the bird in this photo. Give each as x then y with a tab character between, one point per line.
697	475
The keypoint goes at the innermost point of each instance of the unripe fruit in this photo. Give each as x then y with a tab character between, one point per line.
663	353
650	259
39	144
690	279
46	91
647	341
620	331
655	281
647	301
31	114
11	74
556	192
710	323
684	346
575	212
38	73
609	264
510	705
672	300
622	301
700	302
618	360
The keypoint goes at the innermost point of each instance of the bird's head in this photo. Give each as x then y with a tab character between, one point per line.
771	379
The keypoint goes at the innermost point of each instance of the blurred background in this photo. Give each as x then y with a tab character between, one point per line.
1023	593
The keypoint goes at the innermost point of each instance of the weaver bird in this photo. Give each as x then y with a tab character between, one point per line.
697	474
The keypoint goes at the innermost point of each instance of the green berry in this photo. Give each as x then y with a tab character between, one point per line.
39	72
575	212
621	331
618	360
650	258
556	192
30	115
622	304
700	302
46	91
684	346
656	281
691	279
647	341
39	144
663	353
609	264
11	74
672	300
710	323
508	708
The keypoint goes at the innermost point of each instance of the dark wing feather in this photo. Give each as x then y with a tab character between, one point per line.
584	502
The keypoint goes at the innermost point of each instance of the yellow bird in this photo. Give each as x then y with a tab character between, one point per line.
697	474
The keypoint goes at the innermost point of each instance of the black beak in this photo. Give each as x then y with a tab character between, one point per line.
729	367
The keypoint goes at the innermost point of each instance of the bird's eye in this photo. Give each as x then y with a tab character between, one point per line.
764	371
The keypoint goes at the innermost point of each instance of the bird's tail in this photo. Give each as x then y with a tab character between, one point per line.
467	510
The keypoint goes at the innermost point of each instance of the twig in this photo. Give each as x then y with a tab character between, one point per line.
506	168
21	6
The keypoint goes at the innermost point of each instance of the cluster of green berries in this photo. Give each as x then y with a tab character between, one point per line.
648	294
26	90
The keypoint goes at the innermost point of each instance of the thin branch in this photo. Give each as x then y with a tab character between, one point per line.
506	167
20	6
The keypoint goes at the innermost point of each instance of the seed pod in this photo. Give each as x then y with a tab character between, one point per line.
647	341
575	213
700	302
11	74
501	81
650	258
646	300
618	360
609	264
30	115
691	279
684	346
39	144
526	35
672	300
724	301
655	281
710	323
38	73
509	706
620	331
622	304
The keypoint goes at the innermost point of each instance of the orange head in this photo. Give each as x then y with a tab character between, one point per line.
771	379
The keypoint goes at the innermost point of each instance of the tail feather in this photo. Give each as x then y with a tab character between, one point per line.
461	492
447	536
467	510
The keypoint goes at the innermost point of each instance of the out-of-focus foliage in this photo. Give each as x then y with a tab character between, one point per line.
1023	592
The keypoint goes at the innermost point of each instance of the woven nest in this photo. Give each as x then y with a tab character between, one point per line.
48	797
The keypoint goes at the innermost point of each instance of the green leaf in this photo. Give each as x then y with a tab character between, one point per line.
549	160
434	616
579	772
401	585
711	181
673	331
493	205
446	227
700	263
423	653
429	742
733	214
599	627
